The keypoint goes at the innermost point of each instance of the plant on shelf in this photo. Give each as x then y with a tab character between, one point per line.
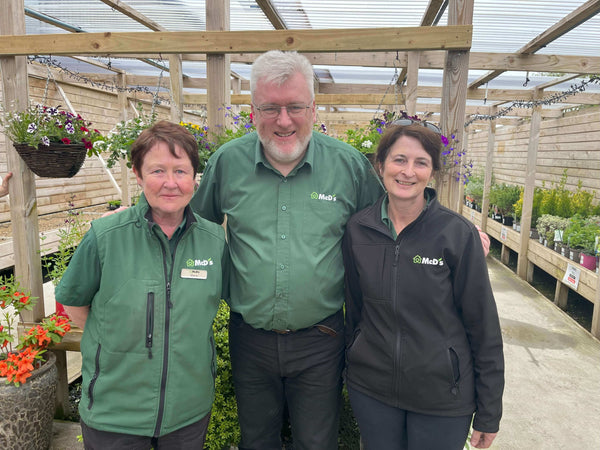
548	225
581	233
474	190
503	197
535	207
17	362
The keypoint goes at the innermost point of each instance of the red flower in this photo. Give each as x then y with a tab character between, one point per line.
66	140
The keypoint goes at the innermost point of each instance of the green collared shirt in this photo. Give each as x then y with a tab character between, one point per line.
285	232
385	218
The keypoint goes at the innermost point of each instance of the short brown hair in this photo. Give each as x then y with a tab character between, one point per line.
171	134
429	139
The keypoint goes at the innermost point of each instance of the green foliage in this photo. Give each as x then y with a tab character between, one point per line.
582	233
41	125
69	237
366	140
582	201
474	187
547	224
349	434
554	200
209	141
242	125
223	429
504	196
535	208
118	142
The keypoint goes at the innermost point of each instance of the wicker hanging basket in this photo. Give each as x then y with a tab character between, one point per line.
54	161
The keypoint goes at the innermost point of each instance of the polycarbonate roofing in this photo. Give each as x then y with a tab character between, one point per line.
498	27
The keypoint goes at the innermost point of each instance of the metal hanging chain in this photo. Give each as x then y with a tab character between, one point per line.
393	82
155	96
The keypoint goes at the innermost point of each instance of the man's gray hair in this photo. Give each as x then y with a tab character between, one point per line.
277	67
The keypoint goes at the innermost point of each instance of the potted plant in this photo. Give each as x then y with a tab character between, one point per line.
503	197
474	191
53	143
581	235
28	374
550	228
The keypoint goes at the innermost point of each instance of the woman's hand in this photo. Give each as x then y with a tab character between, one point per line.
479	439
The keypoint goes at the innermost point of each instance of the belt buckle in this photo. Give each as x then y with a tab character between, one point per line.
283	331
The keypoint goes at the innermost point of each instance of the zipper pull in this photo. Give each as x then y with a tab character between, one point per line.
149	322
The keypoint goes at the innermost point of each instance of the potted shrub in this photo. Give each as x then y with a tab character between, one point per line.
582	236
28	374
53	143
503	197
550	228
474	191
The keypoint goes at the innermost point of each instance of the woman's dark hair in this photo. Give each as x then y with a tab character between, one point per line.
171	134
430	140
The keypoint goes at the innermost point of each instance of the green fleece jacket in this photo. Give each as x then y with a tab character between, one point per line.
148	351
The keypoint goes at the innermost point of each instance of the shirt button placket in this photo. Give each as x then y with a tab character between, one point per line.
282	277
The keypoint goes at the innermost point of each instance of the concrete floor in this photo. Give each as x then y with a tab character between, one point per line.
552	394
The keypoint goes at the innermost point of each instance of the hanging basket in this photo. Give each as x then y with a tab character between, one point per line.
54	161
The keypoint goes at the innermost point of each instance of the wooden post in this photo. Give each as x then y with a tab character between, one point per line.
123	115
489	167
454	93
529	189
217	67
23	201
176	78
596	314
412	82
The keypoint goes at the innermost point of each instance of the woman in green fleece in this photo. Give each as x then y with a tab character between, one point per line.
145	286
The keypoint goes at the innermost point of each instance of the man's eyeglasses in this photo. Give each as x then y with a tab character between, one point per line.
424	123
272	111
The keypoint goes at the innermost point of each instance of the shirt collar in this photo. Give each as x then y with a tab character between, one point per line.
385	218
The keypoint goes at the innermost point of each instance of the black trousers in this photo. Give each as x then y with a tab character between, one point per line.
385	427
191	437
301	368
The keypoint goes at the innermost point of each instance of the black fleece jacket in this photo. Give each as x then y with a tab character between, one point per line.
422	328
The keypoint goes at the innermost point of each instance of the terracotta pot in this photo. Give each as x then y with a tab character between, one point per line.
27	411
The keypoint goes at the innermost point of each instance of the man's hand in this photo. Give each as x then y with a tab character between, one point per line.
123	208
479	439
4	186
485	241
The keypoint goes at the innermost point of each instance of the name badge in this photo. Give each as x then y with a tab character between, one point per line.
195	274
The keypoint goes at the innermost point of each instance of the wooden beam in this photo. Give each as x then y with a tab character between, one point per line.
432	59
586	11
272	14
257	41
434	9
134	14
